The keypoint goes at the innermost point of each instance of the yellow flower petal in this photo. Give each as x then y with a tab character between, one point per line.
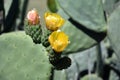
53	21
58	40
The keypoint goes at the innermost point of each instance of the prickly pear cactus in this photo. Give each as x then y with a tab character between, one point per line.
21	59
113	29
88	22
82	39
88	13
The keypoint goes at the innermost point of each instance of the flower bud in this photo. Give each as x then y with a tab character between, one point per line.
33	17
58	40
53	21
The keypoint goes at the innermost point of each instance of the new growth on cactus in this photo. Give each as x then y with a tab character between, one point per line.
51	37
33	26
33	17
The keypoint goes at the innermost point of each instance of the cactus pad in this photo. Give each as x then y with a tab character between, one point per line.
34	31
91	77
44	37
21	59
113	31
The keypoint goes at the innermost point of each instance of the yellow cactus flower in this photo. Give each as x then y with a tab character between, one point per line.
58	40
33	17
53	21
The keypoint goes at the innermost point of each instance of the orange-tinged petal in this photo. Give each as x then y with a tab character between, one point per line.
53	21
58	40
33	17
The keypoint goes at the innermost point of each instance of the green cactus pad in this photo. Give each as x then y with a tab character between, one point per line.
91	77
52	5
89	13
113	31
60	75
21	59
79	41
44	37
110	5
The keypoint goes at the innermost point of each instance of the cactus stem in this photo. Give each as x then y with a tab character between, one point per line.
99	68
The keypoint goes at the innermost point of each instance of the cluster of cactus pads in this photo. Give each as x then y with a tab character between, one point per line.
31	56
42	52
92	21
51	37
